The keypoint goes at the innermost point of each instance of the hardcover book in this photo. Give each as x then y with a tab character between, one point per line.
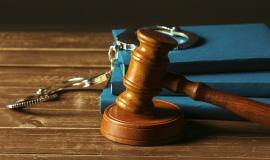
251	84
223	48
191	108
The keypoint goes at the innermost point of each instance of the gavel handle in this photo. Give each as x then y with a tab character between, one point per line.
246	108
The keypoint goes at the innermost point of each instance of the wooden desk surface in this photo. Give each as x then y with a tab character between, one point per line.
69	128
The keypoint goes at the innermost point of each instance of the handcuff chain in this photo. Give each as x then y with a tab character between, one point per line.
113	55
53	92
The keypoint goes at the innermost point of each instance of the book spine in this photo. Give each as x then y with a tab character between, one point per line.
216	52
232	83
191	108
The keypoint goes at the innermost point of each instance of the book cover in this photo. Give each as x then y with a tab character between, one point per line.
223	48
191	108
250	84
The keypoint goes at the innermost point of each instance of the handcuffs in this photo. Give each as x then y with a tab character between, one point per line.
125	41
128	39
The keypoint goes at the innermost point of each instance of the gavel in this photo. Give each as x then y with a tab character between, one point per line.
136	118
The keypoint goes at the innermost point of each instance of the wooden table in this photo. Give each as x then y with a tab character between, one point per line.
69	128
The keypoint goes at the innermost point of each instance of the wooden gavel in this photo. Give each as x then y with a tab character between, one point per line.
137	119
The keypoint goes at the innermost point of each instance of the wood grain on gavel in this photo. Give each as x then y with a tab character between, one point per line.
244	107
137	119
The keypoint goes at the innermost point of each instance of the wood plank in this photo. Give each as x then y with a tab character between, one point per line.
54	39
112	157
72	110
76	110
46	76
62	137
61	113
73	100
49	118
213	139
69	128
54	58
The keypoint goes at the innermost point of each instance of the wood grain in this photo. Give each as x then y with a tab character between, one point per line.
243	107
135	118
76	100
50	40
54	58
69	128
85	141
109	157
44	76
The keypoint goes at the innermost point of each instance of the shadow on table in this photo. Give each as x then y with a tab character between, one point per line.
198	130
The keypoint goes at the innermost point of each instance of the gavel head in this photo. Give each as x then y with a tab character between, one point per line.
136	118
147	68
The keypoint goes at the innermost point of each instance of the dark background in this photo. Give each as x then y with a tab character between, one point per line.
106	14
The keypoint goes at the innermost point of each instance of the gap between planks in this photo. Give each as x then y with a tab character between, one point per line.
60	59
116	157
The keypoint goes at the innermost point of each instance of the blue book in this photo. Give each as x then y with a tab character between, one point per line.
226	48
250	84
191	108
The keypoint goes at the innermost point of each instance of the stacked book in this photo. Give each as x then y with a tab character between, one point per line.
232	58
